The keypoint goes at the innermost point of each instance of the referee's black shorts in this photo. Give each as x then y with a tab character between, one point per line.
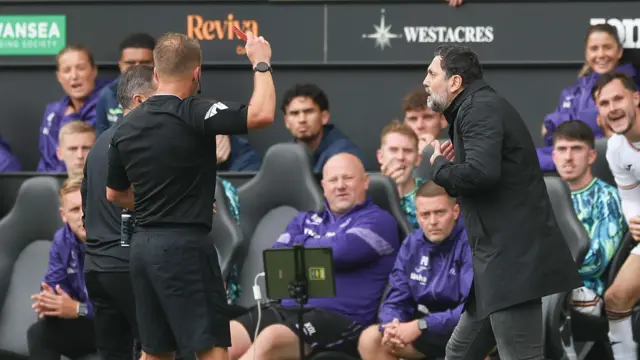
179	291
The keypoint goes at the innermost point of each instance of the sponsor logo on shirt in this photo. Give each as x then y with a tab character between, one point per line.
45	130
114	114
315	220
311	233
419	278
309	329
424	261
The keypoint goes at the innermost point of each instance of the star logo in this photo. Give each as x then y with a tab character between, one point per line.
383	34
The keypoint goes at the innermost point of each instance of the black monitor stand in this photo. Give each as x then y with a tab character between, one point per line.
298	290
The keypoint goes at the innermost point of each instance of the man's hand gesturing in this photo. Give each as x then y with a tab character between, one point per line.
258	49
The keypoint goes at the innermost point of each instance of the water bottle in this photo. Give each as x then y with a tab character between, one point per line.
126	229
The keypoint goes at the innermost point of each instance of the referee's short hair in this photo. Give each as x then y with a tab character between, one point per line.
176	55
137	79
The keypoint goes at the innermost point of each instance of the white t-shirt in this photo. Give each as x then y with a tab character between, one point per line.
624	161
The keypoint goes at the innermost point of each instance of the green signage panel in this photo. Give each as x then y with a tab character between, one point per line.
32	34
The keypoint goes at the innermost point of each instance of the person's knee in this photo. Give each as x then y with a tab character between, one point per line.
240	340
274	336
369	342
35	333
619	297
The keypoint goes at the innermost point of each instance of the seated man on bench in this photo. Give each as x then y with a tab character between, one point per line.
364	239
428	286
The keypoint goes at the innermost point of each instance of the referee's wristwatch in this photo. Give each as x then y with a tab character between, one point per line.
82	310
262	67
422	325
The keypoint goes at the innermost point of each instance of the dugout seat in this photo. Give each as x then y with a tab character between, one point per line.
600	167
384	193
25	238
225	232
558	315
284	186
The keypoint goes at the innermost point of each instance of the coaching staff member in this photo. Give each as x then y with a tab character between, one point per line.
107	263
519	254
165	149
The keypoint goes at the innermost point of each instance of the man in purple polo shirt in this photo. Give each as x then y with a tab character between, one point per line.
365	241
65	326
428	286
76	74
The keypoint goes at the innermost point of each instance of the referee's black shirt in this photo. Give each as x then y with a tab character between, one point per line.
101	216
166	149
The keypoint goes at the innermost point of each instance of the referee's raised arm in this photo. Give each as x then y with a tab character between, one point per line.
213	117
262	106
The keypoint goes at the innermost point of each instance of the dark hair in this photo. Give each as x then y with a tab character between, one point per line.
138	41
627	81
76	47
137	79
416	100
599	28
575	130
459	60
312	91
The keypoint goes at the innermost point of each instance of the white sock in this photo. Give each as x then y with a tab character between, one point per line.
621	337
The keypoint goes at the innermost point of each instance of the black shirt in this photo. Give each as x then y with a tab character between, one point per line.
101	217
166	149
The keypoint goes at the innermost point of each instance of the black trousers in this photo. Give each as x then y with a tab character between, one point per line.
115	314
51	337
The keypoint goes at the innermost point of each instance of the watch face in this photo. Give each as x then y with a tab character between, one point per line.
262	67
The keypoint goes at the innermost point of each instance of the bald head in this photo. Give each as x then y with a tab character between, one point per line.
345	182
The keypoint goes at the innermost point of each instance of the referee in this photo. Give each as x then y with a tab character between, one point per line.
107	262
166	151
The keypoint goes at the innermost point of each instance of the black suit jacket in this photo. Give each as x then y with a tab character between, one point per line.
519	253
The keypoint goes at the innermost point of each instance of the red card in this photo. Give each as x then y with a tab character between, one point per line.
240	34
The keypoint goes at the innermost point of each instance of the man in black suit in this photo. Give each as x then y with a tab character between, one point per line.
519	254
